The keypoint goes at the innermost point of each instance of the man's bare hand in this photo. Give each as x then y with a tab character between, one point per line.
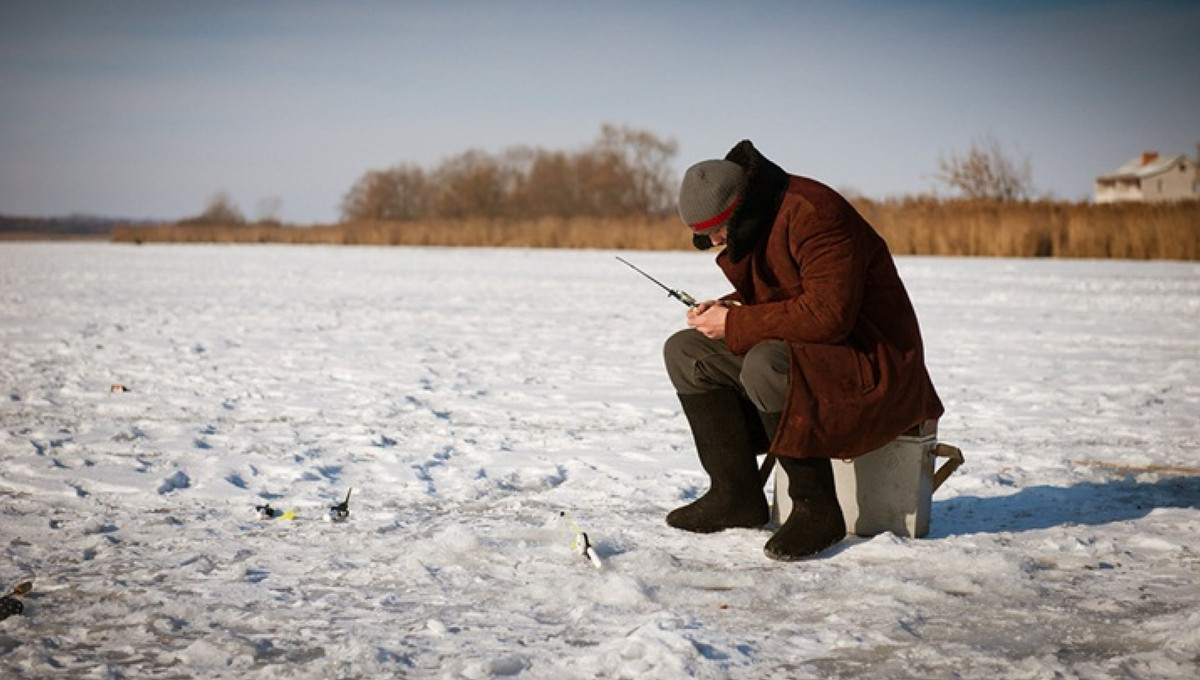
708	317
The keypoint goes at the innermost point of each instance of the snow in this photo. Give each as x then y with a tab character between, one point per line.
471	396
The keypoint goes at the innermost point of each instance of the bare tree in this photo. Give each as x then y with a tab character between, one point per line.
644	162
987	171
472	184
220	209
550	187
398	193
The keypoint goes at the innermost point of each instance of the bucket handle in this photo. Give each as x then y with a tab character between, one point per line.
954	458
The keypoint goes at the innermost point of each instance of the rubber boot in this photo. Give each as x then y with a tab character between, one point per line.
816	521
725	442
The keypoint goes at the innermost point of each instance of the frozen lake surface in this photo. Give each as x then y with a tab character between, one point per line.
471	396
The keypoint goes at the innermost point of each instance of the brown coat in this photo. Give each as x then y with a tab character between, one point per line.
812	272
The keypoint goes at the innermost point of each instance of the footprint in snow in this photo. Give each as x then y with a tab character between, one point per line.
177	481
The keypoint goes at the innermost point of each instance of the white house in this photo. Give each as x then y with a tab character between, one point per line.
1150	178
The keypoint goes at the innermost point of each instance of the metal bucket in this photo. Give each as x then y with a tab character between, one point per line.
888	489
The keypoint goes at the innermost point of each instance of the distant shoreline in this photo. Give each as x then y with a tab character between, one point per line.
50	236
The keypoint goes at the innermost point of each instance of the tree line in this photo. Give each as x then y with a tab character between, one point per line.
619	193
625	172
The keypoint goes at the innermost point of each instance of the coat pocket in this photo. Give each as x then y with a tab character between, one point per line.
837	374
868	371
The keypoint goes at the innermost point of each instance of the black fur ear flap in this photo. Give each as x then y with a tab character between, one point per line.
761	198
701	242
742	153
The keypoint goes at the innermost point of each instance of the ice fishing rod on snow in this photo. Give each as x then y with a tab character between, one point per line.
677	294
582	545
341	511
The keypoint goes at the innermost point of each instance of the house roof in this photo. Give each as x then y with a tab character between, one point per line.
1136	169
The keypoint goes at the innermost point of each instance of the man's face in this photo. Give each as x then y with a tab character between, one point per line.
719	236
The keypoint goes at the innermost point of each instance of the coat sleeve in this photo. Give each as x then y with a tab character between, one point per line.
823	308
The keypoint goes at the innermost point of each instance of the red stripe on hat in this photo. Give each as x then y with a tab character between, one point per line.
715	220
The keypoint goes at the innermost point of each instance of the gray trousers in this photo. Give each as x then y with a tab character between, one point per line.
696	363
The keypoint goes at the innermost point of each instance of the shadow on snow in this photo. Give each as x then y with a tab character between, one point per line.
1043	507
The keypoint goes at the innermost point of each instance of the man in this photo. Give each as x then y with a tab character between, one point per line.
816	354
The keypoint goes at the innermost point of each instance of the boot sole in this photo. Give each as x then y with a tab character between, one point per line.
788	557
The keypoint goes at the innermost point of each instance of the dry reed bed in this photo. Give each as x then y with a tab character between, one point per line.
1168	231
910	226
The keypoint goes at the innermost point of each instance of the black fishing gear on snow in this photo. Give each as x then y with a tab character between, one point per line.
10	604
341	511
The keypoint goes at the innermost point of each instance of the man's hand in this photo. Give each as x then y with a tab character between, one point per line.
708	317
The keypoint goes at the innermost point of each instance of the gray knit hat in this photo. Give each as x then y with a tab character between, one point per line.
709	194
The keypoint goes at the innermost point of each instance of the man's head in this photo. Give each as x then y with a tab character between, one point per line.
709	196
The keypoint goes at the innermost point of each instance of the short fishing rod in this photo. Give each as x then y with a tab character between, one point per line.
677	294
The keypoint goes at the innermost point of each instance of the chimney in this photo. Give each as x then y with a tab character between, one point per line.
1149	157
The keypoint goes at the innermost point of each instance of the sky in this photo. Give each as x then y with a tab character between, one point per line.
146	109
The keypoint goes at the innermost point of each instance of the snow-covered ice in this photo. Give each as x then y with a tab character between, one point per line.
471	396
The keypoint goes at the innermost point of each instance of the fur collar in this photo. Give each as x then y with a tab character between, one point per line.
758	202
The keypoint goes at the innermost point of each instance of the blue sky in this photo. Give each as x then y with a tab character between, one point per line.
147	108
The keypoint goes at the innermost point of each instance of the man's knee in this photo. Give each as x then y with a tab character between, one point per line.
697	363
681	351
765	375
682	343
